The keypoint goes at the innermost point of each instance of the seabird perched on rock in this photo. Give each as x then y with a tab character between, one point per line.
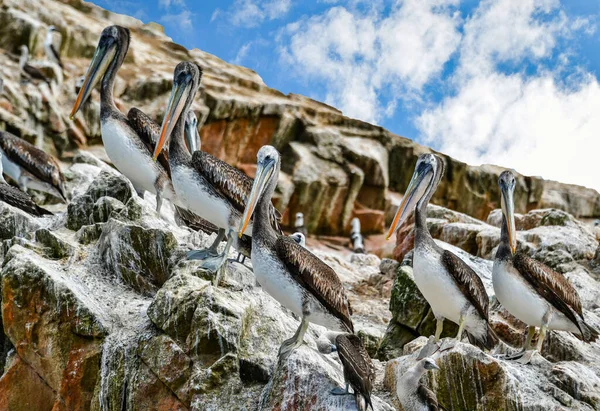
299	224
205	185
356	237
294	276
529	289
414	395
79	84
449	285
51	51
17	198
28	70
359	371
31	167
127	140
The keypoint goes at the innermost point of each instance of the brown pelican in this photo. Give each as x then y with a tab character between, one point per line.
31	167
451	287
294	276
27	69
413	395
17	198
205	185
126	140
530	290
359	371
51	51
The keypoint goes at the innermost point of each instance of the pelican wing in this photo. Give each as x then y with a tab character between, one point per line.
316	277
148	131
37	162
358	367
552	286
429	398
17	198
56	55
468	282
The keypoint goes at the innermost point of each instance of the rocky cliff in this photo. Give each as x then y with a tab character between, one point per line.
334	167
100	311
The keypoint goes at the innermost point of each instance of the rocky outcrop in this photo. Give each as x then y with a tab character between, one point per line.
335	167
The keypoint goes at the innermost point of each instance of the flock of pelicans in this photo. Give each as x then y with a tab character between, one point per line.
216	197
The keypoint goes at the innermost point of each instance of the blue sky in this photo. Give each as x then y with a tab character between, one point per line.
507	82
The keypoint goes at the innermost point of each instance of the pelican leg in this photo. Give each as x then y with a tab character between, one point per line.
526	358
296	341
439	327
210	251
217	264
461	328
340	391
158	201
526	347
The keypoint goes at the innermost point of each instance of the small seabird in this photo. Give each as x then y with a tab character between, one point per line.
299	224
530	290
453	290
359	371
205	185
28	70
31	167
294	276
413	395
299	238
17	198
51	51
79	84
356	237
127	140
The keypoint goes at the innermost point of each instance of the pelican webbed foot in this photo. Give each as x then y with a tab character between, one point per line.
340	391
291	344
428	349
202	254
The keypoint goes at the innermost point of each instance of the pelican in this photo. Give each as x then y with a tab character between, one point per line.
294	276
359	371
205	185
51	52
31	167
126	141
17	198
28	70
413	395
530	290
449	285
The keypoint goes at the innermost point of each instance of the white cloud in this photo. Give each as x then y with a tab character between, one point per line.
181	20
167	3
540	123
360	56
252	13
242	52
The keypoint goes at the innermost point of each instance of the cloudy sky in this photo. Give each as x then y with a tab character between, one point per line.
507	82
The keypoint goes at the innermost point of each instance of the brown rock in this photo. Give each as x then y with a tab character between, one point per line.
22	389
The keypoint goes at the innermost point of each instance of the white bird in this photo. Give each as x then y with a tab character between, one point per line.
414	395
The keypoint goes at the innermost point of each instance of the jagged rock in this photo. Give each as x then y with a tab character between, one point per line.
470	379
111	184
54	246
139	256
89	233
79	212
53	324
105	207
15	222
24	390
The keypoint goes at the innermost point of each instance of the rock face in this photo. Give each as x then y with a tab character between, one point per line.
336	168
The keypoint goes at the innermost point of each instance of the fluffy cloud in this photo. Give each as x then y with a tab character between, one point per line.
179	21
358	56
252	13
541	123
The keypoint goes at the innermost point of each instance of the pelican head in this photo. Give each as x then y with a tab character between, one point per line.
299	238
507	183
192	138
267	171
185	83
428	172
111	50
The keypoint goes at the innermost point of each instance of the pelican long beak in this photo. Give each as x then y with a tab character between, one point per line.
179	95
263	176
104	55
508	209
421	178
192	138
